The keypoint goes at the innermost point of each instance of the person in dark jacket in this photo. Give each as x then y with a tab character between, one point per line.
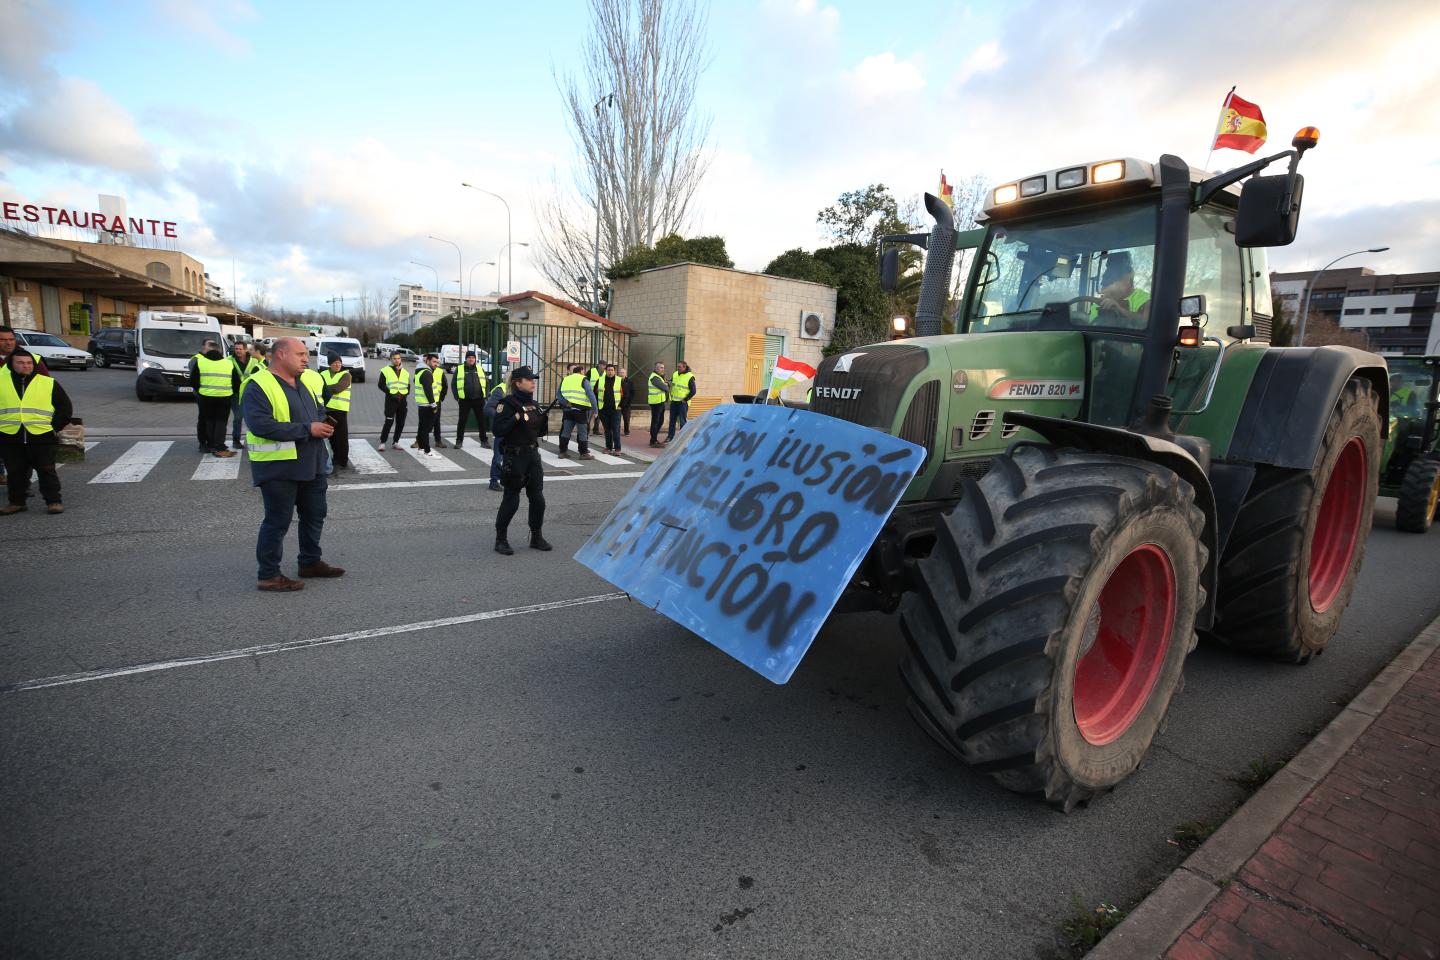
33	406
519	425
285	434
7	347
627	398
429	390
610	388
471	392
214	386
337	407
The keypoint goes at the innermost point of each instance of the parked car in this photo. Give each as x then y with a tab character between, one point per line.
113	345
57	354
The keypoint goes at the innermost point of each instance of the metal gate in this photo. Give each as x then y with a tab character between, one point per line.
551	349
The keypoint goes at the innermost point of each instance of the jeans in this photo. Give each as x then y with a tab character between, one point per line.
237	426
679	416
580	427
657	420
284	499
610	421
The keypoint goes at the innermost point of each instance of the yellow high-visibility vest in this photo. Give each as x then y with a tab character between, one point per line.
313	382
659	389
215	376
460	381
397	383
34	411
338	401
259	448
436	381
680	388
572	390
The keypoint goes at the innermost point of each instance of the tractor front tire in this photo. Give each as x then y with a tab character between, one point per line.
1291	562
1418	503
1047	631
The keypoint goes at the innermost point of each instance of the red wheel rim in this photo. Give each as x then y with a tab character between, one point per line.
1128	633
1337	528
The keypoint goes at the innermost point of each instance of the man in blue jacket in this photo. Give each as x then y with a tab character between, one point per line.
285	434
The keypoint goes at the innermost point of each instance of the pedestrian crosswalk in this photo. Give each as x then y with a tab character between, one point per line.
129	461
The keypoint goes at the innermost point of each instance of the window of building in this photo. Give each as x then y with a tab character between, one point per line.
1404	309
1382	291
1358	293
1355	312
1375	310
156	270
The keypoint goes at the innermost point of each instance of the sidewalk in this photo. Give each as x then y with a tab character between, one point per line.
1337	856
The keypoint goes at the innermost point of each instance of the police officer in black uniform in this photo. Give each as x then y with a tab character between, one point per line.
519	425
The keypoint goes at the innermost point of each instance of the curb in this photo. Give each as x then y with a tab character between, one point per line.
1171	908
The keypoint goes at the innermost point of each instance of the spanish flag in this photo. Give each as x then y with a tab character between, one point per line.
947	192
1241	127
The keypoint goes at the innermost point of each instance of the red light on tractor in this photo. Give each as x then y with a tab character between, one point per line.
1190	336
1306	138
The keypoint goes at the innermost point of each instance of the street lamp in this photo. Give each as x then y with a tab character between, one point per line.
459	290
1310	288
509	287
470	280
517	243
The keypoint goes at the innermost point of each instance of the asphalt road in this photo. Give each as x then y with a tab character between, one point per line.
577	781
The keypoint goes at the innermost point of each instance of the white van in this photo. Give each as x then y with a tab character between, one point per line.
164	344
352	355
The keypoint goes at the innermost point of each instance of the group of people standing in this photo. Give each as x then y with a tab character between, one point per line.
430	388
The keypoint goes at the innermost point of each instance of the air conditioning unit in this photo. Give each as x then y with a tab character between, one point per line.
22	286
812	325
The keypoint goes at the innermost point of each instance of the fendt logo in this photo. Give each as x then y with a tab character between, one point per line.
1037	390
839	393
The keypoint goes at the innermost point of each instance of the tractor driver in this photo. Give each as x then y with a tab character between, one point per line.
1121	302
1405	396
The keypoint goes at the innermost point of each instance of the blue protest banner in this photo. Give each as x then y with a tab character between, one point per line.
748	528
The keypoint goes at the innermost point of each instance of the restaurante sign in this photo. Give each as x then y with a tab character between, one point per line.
85	219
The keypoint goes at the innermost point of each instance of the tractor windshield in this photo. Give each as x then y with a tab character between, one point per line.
1088	269
1409	387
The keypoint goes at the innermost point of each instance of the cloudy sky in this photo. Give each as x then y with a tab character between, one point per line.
316	145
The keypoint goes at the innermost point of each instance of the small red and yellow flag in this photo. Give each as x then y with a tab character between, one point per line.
947	192
1241	127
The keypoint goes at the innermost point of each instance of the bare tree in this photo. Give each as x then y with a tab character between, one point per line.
631	111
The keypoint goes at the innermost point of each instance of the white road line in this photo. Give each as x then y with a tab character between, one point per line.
213	468
472	481
366	460
478	452
436	464
600	457
134	463
263	650
552	460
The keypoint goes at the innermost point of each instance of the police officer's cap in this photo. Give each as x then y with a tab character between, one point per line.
522	373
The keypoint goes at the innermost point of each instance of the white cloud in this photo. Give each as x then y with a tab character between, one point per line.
204	20
983	59
72	120
883	76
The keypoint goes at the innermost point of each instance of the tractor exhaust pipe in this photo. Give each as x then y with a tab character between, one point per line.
939	258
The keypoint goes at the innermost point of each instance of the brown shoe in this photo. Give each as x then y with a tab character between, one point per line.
10	508
587	456
55	507
321	569
224	453
279	584
415	445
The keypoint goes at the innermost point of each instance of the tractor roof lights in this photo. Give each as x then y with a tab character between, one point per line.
1007	194
1108	172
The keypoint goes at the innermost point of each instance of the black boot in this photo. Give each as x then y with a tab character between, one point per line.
485	442
502	546
538	542
565	447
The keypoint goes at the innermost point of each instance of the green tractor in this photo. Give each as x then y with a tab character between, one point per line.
1116	459
1410	467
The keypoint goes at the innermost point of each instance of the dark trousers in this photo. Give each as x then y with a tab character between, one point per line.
395	408
20	459
657	420
340	439
435	427
679	416
521	470
284	499
577	422
610	421
497	461
427	424
625	416
237	421
474	406
210	416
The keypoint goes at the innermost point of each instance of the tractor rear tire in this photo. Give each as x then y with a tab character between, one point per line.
1291	562
1047	631
1418	503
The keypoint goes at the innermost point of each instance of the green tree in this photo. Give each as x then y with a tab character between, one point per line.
862	310
799	265
863	216
672	249
1282	331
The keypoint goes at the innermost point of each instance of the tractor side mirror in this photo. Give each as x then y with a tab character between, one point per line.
1269	211
890	270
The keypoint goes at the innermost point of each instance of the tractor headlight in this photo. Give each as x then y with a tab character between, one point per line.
1074	177
1007	194
1108	172
1032	187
